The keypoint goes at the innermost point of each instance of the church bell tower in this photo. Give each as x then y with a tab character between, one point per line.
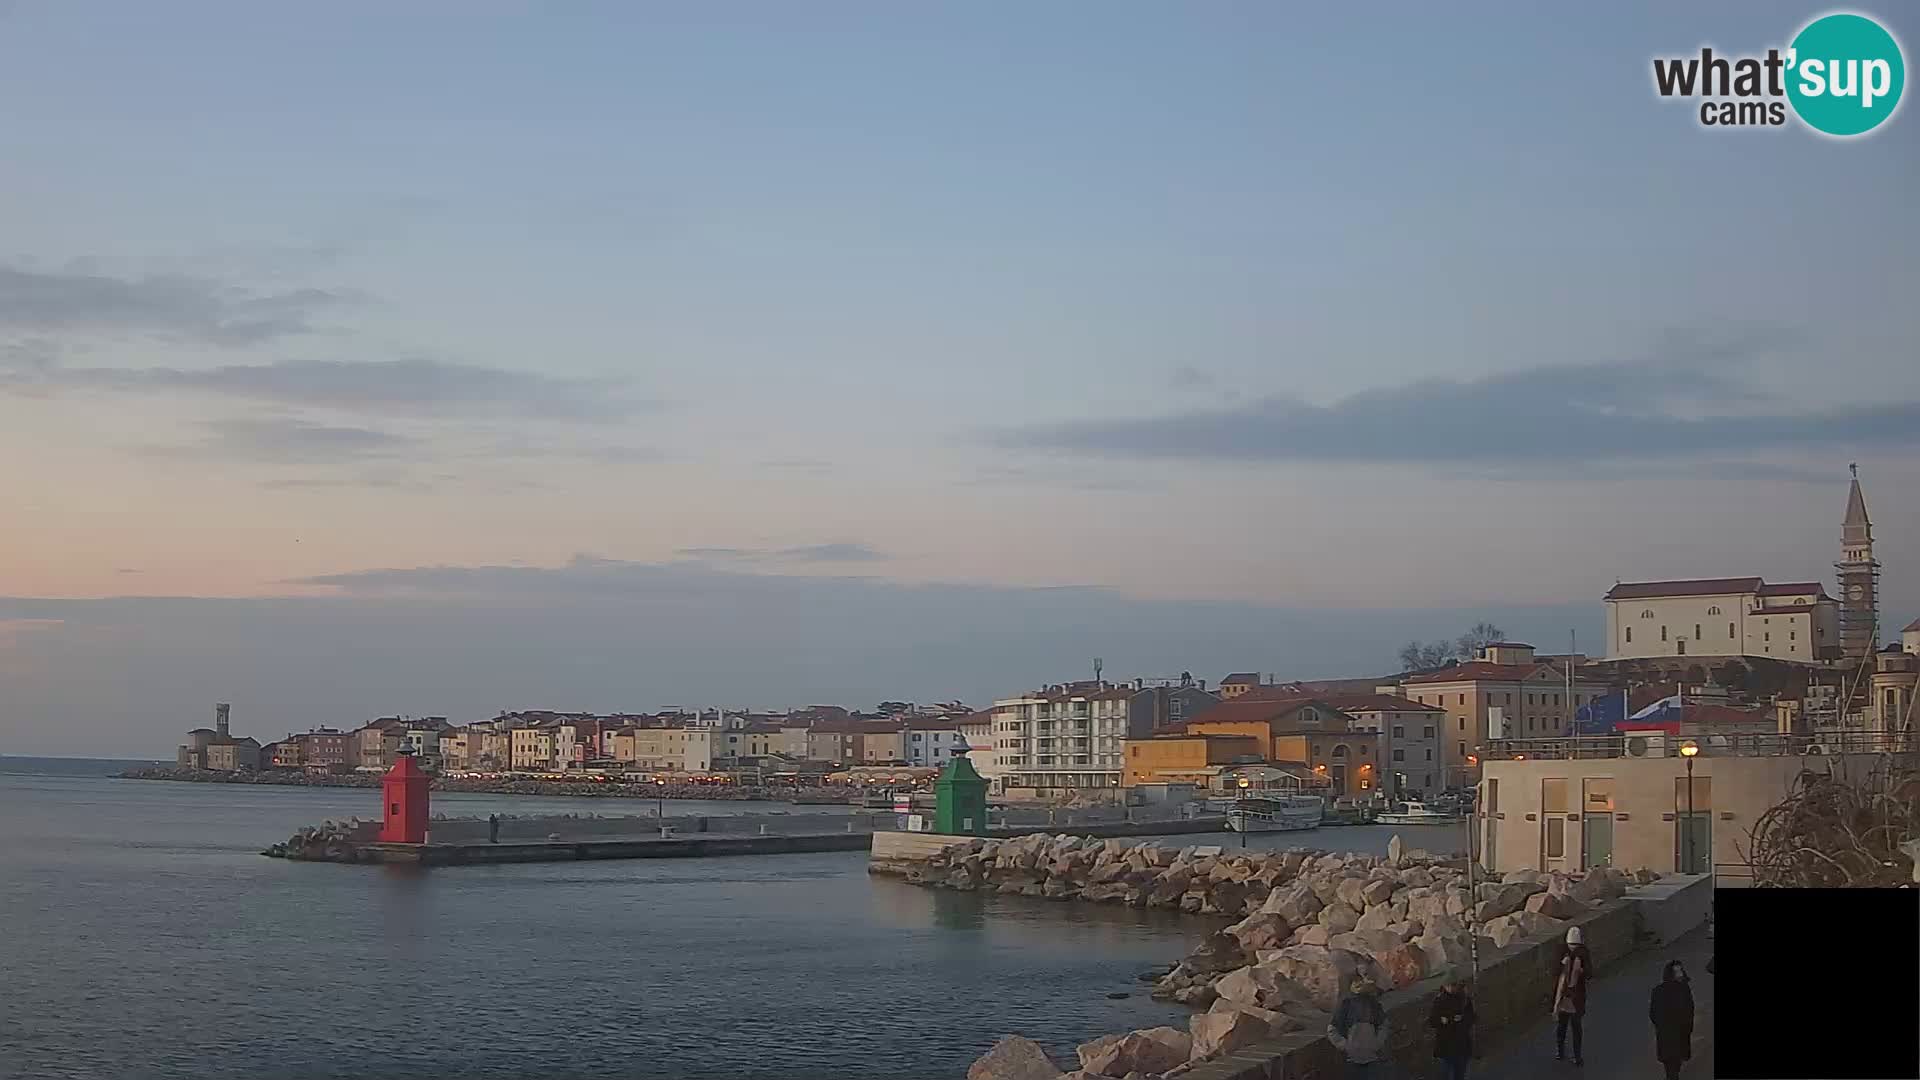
1859	577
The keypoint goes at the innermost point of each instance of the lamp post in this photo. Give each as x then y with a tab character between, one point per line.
1688	751
1244	785
660	799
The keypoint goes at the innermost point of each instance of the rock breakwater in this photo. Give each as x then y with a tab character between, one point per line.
1308	922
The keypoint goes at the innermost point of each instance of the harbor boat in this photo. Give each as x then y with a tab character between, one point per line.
1414	813
1276	813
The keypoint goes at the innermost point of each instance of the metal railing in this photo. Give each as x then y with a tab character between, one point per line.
1661	744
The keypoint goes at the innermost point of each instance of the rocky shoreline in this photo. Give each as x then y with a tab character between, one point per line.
1309	922
583	789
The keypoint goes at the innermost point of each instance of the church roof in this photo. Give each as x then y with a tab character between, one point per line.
1638	590
1858	528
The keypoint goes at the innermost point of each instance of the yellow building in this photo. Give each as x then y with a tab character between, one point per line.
532	749
682	750
1184	759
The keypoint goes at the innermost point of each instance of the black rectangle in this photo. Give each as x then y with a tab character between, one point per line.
1817	983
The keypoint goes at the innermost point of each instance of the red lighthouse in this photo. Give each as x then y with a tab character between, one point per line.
403	790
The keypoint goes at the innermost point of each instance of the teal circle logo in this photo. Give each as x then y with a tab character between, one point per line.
1845	74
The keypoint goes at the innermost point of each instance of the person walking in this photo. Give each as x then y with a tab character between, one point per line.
1359	1029
1570	995
1452	1022
493	828
1671	1010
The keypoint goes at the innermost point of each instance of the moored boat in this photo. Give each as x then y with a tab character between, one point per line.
1276	813
1415	813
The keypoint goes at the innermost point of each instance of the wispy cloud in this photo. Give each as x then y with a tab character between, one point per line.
288	441
412	387
1567	413
810	553
1187	377
170	306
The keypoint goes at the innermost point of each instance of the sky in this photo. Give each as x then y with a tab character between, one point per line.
440	358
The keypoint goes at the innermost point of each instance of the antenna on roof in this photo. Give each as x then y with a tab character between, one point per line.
1098	664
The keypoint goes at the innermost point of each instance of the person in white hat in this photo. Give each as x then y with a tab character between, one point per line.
1570	995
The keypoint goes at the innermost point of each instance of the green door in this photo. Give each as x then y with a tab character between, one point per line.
1693	849
1596	840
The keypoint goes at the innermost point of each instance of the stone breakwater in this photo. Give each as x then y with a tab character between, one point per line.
1309	921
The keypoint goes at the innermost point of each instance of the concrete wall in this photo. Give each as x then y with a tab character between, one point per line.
1735	791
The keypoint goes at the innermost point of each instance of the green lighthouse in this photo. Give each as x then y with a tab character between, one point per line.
960	799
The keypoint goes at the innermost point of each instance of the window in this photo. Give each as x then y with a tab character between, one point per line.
1729	630
1647	614
1399	755
1429	758
1463	749
1793	635
1553	796
1713	611
1696	631
1427	732
1463	699
1463	723
1399	732
1629	635
1529	699
1663	633
1340	751
1766	637
1363	749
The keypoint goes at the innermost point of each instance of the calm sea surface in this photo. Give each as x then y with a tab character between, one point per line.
141	935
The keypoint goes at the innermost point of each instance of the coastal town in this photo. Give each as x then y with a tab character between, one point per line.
1573	758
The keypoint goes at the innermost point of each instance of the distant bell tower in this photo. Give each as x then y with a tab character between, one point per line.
1859	577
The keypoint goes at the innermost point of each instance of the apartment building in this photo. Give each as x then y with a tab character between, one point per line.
931	741
1066	737
531	749
664	749
1303	730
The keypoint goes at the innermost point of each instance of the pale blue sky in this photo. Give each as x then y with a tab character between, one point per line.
1147	298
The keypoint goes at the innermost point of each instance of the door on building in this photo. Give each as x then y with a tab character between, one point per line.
1556	834
1693	825
1596	824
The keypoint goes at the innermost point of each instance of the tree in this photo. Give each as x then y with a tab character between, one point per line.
1468	645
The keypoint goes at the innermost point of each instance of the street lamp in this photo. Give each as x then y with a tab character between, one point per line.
660	799
1244	785
1688	750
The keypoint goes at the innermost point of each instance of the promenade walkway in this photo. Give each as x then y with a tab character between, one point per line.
1619	1040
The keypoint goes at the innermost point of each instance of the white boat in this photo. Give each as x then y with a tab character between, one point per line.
1277	813
1413	813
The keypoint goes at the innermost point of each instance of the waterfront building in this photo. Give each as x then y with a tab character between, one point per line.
931	741
374	745
1195	759
216	749
1067	737
1303	729
456	748
531	749
749	739
1505	694
1910	637
234	755
1409	739
1623	800
664	749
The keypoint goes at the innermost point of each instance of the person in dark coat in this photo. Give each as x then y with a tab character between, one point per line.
493	828
1452	1022
1671	1010
1570	995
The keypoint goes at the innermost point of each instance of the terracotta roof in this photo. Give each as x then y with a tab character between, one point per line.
1358	703
1239	677
934	723
1641	590
1506	645
1250	710
1478	671
1912	627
